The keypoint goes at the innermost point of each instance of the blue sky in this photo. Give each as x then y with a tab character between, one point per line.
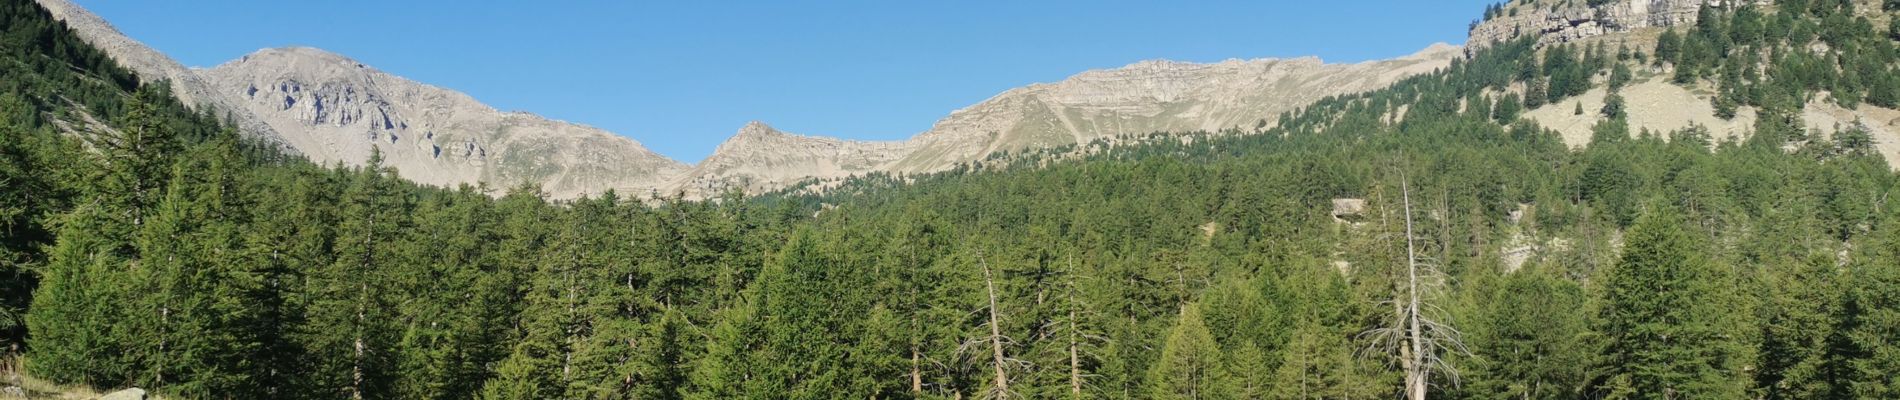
682	76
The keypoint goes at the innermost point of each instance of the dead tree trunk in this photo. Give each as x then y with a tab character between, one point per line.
1415	372
1075	360
996	335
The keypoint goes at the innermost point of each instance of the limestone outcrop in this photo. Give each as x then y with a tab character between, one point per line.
1569	21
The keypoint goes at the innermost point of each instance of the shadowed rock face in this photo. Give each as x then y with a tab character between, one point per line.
336	109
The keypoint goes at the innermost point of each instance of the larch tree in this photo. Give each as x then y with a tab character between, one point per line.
1663	311
350	329
196	322
1190	367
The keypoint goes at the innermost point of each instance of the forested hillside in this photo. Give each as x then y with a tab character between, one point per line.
1420	238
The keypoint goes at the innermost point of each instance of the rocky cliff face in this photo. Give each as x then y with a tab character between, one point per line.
152	66
1570	21
335	109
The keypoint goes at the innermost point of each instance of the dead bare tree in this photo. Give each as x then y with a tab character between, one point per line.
996	341
1417	334
1071	326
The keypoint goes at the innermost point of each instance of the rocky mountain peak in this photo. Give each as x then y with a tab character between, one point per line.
1439	50
756	129
338	109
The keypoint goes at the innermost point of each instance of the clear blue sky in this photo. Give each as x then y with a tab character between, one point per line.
682	76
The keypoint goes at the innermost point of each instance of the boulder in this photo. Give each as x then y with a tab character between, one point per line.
127	394
1349	210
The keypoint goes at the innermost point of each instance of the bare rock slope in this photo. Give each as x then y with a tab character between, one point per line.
760	158
1153	96
1144	97
335	109
152	66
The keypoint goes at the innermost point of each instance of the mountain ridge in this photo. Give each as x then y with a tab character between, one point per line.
1142	97
431	134
335	109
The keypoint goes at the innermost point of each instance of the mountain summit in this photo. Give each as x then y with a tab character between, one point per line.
335	109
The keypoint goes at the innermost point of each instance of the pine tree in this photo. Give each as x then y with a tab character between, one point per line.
1508	108
1190	366
1620	76
1663	317
1613	107
29	195
1536	94
1669	47
609	359
662	370
137	159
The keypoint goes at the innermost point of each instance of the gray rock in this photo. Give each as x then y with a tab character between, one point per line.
1572	21
127	394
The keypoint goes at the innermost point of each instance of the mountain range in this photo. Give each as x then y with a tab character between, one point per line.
333	109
